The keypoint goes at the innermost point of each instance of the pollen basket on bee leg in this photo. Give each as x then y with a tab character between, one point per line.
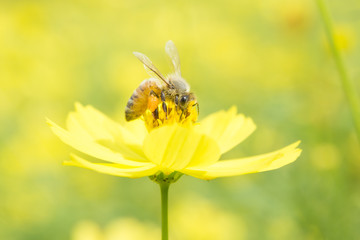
153	103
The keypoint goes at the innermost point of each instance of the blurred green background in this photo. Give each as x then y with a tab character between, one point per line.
267	57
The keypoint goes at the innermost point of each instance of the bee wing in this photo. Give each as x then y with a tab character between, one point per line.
149	67
173	54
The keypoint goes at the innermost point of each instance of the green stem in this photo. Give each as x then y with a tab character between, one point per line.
164	187
348	86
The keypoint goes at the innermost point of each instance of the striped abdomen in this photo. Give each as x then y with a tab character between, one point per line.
138	101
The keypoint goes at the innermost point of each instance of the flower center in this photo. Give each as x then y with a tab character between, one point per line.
167	113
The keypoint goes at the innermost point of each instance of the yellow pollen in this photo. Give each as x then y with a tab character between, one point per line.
168	113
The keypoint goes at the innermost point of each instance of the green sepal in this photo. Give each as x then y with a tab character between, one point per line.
160	177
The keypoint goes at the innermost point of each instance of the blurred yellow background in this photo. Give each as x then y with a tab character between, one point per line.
267	57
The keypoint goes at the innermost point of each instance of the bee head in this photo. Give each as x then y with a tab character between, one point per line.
183	100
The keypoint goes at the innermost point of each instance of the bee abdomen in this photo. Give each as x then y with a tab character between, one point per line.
138	101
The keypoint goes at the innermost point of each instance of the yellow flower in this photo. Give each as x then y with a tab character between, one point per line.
130	150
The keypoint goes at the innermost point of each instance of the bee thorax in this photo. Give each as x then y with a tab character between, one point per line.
178	83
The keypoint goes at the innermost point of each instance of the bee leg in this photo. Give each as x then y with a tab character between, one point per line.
164	108
156	114
182	113
176	102
163	96
197	106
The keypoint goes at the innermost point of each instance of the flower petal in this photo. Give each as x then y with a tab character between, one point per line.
260	163
87	146
174	147
228	129
146	169
92	124
137	129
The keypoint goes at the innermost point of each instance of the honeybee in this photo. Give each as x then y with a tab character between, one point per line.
152	91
